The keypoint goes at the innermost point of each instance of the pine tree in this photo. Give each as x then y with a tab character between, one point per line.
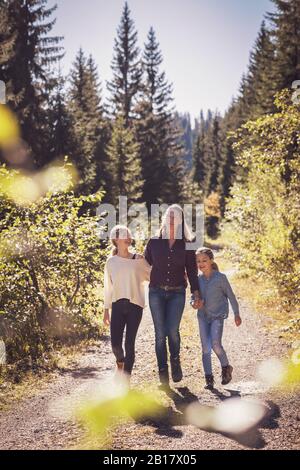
61	141
227	173
89	128
208	120
261	74
214	154
258	86
123	152
27	70
184	124
274	64
99	129
286	33
200	170
245	100
157	133
7	38
126	67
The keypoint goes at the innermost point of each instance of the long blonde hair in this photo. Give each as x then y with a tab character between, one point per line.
118	231
186	233
210	254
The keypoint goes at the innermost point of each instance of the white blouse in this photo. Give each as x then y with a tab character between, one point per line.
124	278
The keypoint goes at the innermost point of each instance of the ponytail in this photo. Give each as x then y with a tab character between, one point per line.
114	250
215	266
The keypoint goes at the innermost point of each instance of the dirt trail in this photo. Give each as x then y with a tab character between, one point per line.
46	420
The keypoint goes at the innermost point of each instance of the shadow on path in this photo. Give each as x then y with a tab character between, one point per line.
167	418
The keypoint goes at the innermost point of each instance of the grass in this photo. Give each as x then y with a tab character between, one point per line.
265	300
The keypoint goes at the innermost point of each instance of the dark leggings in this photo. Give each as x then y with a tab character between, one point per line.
125	314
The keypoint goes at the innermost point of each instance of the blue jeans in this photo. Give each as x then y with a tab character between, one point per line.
166	310
211	332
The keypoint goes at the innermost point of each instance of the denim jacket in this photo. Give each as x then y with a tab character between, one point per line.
216	291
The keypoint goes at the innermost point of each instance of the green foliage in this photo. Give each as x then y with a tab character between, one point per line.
50	263
264	207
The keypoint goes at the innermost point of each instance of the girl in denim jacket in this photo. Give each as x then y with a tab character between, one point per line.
215	291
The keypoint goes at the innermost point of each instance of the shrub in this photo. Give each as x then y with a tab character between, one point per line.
51	263
264	207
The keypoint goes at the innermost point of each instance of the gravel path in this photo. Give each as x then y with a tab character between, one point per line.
46	420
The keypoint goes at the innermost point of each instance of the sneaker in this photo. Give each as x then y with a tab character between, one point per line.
209	382
226	374
176	369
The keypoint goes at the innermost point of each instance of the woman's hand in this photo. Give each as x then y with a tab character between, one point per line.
238	320
106	317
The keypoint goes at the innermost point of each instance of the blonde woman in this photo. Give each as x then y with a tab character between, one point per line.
124	276
171	263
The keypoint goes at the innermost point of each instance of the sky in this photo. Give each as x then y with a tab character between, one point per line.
205	43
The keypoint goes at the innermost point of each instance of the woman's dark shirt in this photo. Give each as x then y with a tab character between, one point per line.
170	265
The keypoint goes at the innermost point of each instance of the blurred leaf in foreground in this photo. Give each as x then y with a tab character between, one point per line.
234	416
281	373
9	128
292	372
102	415
25	188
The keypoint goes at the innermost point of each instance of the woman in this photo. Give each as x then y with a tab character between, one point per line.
124	275
170	261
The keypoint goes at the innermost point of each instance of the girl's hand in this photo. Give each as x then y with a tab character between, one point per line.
238	320
106	318
196	301
197	304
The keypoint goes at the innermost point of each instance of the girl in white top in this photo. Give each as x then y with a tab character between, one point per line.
124	277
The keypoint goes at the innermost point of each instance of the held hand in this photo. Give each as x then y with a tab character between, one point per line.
106	318
238	320
197	303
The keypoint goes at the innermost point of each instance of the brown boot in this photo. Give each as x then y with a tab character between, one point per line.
209	379
120	366
226	374
164	378
176	370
